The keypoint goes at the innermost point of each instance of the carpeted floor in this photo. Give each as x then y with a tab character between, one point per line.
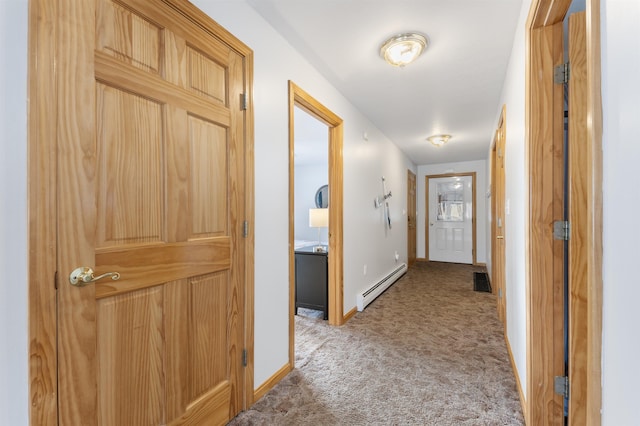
429	351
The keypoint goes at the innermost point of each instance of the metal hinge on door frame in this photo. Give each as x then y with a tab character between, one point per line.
561	73
561	230
245	229
561	386
244	357
244	101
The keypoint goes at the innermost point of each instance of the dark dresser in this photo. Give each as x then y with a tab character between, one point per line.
312	289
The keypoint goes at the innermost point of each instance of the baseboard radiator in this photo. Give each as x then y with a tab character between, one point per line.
370	294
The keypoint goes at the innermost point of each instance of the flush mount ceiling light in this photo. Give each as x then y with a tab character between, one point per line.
439	140
403	49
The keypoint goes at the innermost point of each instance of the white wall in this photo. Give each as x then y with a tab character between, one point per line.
516	193
480	167
621	149
307	180
13	213
366	240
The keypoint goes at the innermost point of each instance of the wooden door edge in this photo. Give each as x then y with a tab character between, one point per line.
415	179
595	220
544	13
498	273
41	211
544	108
493	190
426	219
249	241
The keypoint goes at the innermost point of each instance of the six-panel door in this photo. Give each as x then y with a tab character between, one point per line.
151	173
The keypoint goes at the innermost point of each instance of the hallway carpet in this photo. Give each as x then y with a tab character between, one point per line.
429	351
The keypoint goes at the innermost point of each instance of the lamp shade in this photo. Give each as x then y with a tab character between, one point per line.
318	218
403	49
439	140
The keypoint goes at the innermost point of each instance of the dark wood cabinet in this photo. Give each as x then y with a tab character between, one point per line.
312	288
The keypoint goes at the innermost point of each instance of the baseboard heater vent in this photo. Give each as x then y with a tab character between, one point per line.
370	294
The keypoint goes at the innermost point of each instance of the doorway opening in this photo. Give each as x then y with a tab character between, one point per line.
311	218
300	99
450	228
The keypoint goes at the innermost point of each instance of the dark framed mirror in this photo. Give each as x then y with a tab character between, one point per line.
322	197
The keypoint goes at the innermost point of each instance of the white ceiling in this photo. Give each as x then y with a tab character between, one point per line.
454	87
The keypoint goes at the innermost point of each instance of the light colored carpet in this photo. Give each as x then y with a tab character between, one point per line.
429	351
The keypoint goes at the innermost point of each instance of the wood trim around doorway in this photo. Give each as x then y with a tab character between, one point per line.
544	153
498	233
298	97
544	117
42	175
473	221
412	225
593	216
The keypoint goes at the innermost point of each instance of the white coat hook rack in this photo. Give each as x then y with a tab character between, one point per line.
384	198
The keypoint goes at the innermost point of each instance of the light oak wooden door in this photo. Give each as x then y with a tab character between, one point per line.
150	185
579	250
411	218
498	273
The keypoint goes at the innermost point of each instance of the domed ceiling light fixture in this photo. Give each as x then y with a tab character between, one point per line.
402	49
439	140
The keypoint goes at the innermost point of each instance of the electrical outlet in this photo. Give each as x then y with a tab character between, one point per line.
364	270
397	256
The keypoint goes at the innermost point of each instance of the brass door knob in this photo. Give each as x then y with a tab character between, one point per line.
84	275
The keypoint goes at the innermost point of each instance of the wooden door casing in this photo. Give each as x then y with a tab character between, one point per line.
411	218
545	175
303	100
499	225
151	139
579	251
544	121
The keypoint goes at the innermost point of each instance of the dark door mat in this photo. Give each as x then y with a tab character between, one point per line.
481	282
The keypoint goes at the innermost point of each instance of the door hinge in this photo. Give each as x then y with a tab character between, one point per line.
561	386
244	101
561	73
244	357
561	230
245	229
55	280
